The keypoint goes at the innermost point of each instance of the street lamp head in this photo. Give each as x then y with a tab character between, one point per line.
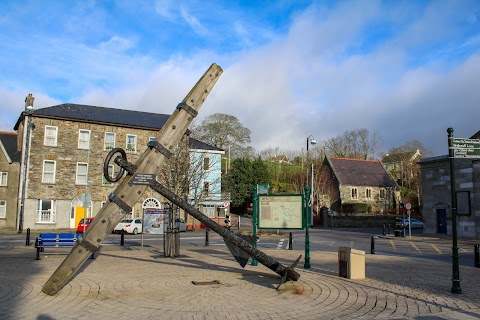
313	142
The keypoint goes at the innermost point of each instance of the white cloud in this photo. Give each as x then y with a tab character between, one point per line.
193	22
116	43
316	79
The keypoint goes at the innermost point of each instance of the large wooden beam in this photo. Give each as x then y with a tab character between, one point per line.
126	194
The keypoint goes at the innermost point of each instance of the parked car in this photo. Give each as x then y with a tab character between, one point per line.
133	226
181	225
416	224
84	224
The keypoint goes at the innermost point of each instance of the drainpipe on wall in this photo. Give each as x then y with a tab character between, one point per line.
27	132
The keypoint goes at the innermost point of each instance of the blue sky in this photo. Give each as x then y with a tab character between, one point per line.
403	69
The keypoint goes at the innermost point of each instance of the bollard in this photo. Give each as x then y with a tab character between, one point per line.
383	229
122	238
27	241
389	228
372	245
290	241
477	256
206	237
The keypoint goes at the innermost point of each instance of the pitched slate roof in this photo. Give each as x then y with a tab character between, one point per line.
356	172
81	112
476	135
199	145
8	143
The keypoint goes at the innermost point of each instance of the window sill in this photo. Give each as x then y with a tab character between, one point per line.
47	182
43	222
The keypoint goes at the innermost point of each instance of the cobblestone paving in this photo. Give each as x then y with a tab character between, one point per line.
135	284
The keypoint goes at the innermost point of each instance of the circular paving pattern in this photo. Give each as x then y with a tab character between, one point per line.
142	284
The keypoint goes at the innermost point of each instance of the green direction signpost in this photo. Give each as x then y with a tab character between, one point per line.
465	148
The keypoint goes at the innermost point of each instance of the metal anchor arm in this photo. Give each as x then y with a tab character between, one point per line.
287	273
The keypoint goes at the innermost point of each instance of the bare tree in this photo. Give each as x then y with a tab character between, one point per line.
223	130
354	144
187	173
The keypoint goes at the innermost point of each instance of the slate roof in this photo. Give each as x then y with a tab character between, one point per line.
86	113
356	172
199	145
9	143
476	135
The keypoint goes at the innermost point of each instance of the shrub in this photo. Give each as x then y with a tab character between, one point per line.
356	208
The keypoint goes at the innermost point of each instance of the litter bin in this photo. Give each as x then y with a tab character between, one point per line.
351	263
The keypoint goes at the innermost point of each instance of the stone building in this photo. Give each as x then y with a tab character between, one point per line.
9	175
62	171
349	185
437	199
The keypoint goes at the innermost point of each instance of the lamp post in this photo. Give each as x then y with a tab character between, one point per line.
308	213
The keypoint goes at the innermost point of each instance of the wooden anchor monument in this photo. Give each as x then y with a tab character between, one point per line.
143	175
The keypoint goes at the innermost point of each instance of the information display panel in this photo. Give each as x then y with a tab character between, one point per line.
281	211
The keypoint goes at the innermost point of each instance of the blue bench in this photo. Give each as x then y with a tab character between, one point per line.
53	240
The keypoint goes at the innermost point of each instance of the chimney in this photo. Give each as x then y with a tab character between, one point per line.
29	102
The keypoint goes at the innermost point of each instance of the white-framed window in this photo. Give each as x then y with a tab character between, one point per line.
131	143
45	211
354	193
111	173
3	209
109	142
51	133
82	173
206	188
48	175
368	193
382	193
206	163
3	179
209	210
83	139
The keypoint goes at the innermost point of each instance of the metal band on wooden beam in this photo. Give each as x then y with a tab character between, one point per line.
87	245
187	108
160	148
119	202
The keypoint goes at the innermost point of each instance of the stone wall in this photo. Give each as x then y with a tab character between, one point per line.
436	191
377	204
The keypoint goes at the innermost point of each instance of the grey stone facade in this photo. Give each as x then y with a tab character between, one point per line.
66	154
60	158
10	168
436	190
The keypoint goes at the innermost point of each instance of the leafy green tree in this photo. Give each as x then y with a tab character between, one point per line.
242	177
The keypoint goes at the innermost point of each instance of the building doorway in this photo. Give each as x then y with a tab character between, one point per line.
79	211
442	221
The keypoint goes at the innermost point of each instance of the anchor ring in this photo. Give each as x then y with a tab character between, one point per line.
109	157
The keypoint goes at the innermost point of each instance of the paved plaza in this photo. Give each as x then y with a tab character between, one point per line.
130	283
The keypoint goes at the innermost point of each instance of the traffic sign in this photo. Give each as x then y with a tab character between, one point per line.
408	206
